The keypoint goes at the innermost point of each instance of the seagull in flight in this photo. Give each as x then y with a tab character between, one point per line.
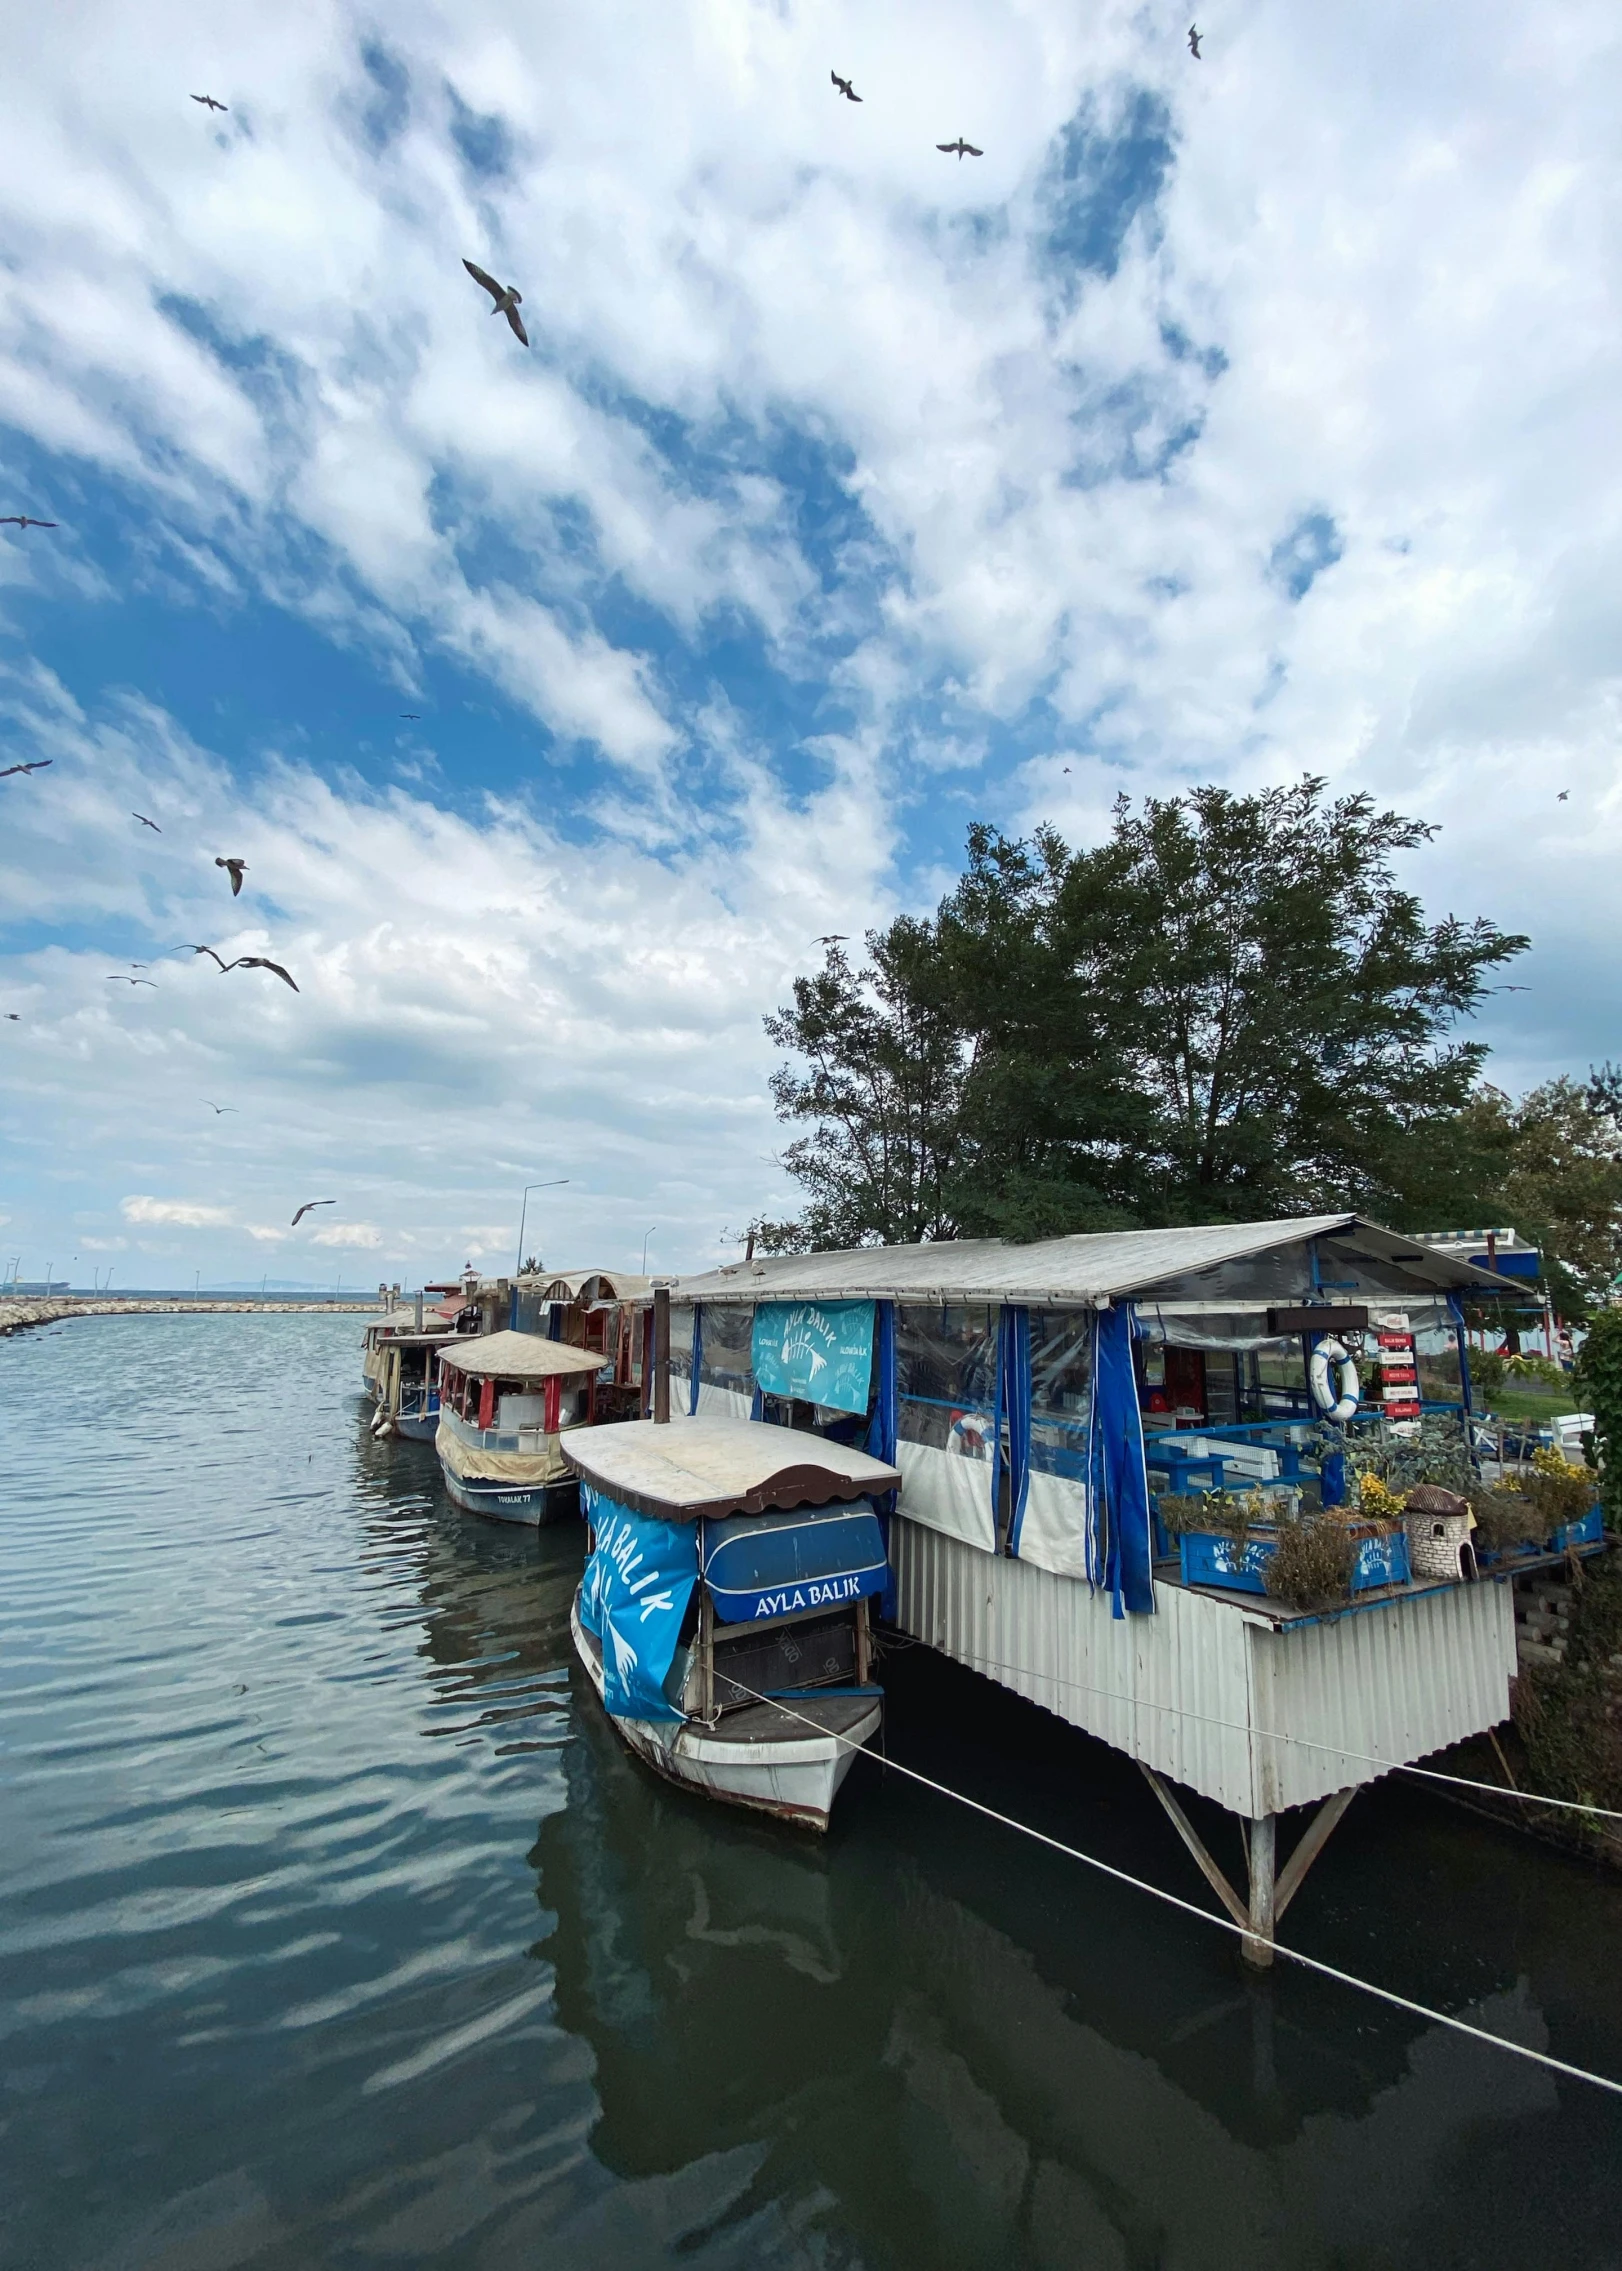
833	938
146	823
117	978
1194	41
845	88
259	962
188	948
414	716
209	103
305	1208
217	1109
236	870
1561	798
23	520
960	149
506	297
38	766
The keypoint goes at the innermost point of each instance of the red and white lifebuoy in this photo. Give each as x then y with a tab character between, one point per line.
1336	1398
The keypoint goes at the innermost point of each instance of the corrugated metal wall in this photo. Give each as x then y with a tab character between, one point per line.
1396	1682
1197	1690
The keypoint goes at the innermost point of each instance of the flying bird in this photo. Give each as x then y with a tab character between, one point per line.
236	870
506	297
209	103
833	938
117	978
23	520
414	715
305	1208
845	88
1194	41
258	962
1561	798
960	149
38	766
14	1017
217	1109
189	949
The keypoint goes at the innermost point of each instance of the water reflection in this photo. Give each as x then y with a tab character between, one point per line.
335	1924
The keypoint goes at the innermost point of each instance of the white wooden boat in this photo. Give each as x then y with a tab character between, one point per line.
723	1619
506	1401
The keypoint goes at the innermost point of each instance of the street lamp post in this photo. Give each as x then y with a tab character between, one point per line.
645	1250
556	1184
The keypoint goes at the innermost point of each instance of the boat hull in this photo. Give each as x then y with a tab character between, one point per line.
421	1427
532	1505
794	1777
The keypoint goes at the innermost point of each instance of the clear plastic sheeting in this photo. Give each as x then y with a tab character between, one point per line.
946	1376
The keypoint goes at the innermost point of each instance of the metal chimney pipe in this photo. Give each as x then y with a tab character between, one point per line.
661	1355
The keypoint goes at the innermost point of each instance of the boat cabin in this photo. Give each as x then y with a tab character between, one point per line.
506	1400
723	1617
600	1310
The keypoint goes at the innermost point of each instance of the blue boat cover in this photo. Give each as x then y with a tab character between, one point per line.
635	1592
773	1565
1117	1482
820	1351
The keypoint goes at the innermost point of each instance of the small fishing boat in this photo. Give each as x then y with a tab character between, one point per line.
723	1617
506	1400
404	1377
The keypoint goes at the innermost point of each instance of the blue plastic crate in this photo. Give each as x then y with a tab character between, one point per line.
1587	1530
1208	1558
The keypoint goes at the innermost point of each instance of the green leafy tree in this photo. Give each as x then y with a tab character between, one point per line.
1229	1007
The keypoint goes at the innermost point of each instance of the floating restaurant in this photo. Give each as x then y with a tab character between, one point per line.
1059	1412
505	1402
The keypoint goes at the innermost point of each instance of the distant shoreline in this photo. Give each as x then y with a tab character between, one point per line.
17	1316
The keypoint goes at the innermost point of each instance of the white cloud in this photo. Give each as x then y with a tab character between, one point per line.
357	1234
189	1214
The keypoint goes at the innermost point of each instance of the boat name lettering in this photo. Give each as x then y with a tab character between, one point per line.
820	1594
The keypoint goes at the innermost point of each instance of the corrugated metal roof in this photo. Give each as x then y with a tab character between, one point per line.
1094	1266
568	1285
682	1468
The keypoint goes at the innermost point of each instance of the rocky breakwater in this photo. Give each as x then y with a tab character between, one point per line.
17	1314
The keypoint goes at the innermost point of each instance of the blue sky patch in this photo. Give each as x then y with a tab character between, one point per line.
1099	179
1300	558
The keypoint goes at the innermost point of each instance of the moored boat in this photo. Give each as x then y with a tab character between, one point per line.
506	1400
723	1618
405	1381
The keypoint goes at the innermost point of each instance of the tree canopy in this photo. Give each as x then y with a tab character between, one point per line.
1229	1008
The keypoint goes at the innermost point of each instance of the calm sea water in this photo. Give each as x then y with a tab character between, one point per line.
335	1927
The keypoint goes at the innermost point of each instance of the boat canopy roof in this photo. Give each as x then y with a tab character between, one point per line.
591	1285
519	1356
1095	1267
678	1469
425	1339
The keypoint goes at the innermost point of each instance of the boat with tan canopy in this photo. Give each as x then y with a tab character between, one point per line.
506	1401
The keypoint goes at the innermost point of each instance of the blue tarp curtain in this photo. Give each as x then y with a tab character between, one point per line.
818	1351
882	1428
771	1565
635	1592
698	1358
1013	1417
1118	1483
1461	1341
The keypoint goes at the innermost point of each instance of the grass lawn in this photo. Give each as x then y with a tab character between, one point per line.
1530	1402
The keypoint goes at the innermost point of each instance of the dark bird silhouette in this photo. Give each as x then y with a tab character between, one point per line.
23	520
38	766
15	1019
209	103
845	88
236	870
257	962
1561	798
117	978
190	949
305	1208
217	1109
146	823
960	149
415	716
834	938
506	297
1194	41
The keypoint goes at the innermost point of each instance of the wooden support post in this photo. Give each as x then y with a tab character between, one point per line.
864	1645
1192	1839
1313	1841
1257	1945
661	1355
706	1653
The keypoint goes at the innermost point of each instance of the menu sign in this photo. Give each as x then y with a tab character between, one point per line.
1399	1368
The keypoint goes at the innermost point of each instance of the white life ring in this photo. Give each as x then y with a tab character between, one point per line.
1336	1399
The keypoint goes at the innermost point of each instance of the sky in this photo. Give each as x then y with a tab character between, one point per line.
1225	419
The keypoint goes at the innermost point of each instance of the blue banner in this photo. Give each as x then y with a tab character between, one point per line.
634	1595
1117	1483
775	1565
819	1351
